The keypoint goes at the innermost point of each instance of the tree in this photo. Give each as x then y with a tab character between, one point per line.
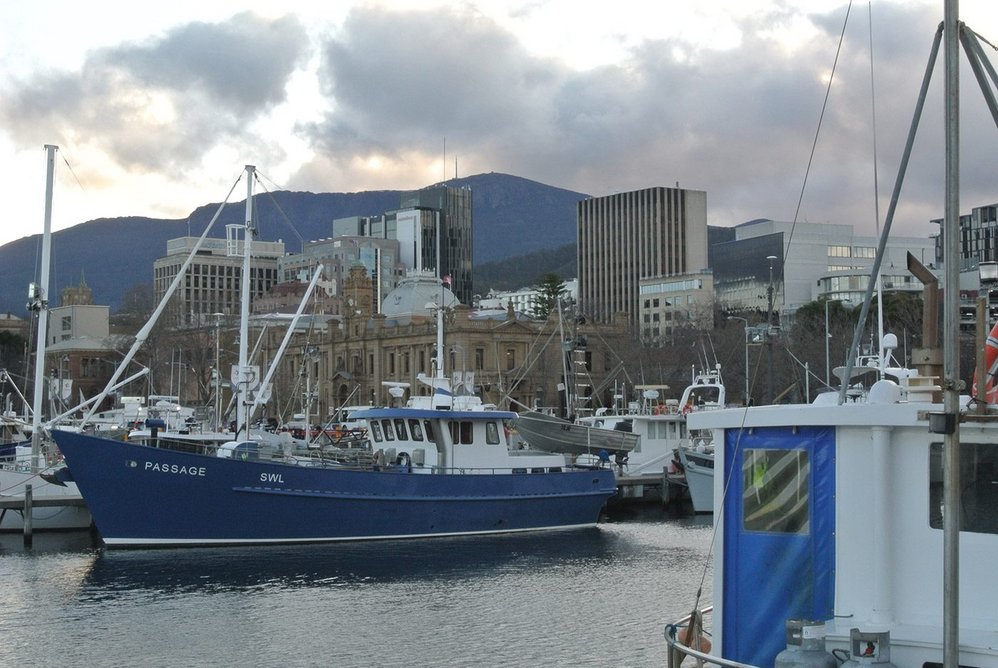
550	290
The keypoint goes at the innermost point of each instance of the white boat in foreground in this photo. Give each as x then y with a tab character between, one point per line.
870	527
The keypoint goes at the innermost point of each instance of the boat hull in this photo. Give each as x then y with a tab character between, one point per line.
551	434
698	469
145	496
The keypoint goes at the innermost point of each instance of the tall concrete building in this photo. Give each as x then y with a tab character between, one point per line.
655	233
214	279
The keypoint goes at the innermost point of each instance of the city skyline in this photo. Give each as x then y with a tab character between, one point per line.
157	111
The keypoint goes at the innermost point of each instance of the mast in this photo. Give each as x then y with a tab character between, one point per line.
246	375
38	296
951	331
569	399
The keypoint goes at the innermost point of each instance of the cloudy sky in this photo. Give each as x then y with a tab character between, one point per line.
156	107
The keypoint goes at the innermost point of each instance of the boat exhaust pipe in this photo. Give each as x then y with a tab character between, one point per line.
928	359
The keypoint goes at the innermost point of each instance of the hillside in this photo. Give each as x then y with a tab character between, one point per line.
525	270
512	216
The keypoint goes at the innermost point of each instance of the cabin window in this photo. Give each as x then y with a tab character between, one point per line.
400	429
415	430
428	428
491	433
462	432
978	487
776	488
376	431
389	430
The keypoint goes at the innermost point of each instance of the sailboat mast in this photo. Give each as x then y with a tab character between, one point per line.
951	333
39	296
243	405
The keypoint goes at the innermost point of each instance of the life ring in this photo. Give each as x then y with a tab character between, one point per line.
991	364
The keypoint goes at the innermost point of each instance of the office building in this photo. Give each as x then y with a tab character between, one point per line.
213	282
805	262
433	227
655	234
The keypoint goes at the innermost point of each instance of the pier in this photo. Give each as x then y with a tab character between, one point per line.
666	488
28	501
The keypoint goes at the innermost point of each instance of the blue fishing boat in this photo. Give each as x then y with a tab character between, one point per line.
440	465
141	495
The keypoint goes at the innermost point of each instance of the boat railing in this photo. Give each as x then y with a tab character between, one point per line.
678	652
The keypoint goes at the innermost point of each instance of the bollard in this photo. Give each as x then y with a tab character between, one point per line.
27	516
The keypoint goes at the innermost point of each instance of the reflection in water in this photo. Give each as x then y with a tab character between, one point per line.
213	570
592	597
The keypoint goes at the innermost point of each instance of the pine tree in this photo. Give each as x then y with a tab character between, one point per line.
550	290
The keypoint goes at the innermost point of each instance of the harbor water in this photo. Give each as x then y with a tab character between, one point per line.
590	597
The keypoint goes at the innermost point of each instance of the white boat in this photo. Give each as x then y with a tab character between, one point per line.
666	446
864	528
55	506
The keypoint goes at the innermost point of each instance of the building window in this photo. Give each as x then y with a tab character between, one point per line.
839	251
479	359
510	359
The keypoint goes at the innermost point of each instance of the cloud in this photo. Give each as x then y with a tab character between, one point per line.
736	118
165	102
737	122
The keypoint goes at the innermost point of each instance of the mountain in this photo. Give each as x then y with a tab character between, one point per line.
525	270
512	216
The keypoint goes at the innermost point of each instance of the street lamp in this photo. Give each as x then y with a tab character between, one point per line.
769	322
828	336
745	321
769	290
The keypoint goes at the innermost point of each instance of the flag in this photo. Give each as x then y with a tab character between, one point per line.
445	280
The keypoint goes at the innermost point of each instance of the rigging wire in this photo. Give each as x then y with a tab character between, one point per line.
270	195
741	429
817	133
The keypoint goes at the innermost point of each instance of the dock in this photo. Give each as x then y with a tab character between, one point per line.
28	501
665	488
